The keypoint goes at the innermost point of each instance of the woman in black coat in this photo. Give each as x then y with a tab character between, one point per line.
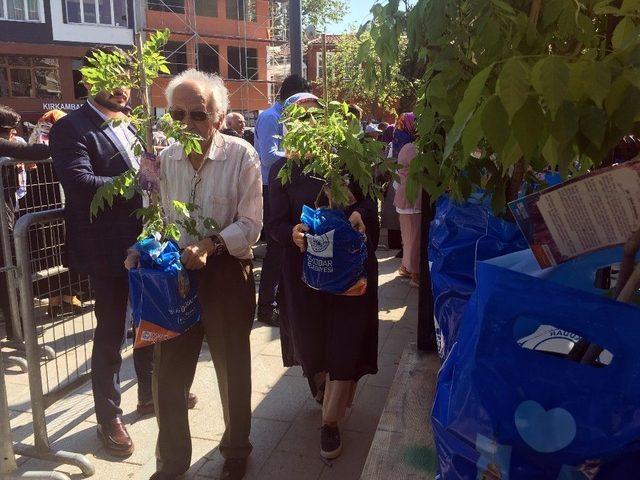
11	146
333	337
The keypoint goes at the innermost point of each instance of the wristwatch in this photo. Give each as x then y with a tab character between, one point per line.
218	244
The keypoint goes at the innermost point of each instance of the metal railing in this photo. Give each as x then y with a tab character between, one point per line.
44	282
41	191
8	465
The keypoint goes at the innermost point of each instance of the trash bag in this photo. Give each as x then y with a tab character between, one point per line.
511	399
163	294
335	256
460	235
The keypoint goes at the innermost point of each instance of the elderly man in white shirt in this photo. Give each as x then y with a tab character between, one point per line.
225	183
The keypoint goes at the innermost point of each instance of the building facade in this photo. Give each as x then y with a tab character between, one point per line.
227	37
42	43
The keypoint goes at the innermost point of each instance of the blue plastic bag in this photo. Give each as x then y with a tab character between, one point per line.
163	294
460	235
510	404
335	256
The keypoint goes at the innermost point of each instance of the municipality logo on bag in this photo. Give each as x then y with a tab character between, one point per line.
321	245
320	252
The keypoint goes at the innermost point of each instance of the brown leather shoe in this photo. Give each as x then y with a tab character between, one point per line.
149	409
115	438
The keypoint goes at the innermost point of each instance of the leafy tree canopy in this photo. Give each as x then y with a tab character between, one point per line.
321	13
355	74
515	86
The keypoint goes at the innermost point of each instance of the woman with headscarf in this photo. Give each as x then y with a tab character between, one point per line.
333	337
408	211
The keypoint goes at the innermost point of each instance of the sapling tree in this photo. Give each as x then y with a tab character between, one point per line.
137	69
328	142
515	87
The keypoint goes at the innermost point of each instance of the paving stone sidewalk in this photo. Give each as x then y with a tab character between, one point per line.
285	427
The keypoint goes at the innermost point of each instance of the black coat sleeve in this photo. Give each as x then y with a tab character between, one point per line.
71	160
368	209
22	151
279	226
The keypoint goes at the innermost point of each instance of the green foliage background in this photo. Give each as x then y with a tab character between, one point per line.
329	143
368	86
515	86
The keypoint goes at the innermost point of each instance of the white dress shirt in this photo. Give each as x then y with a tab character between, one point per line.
126	137
227	188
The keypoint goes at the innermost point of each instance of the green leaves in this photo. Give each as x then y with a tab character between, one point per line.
328	143
624	34
565	125
501	86
596	78
108	71
593	125
121	186
466	109
550	78
513	85
495	123
528	126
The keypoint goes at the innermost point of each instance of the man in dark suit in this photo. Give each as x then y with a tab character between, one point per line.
87	153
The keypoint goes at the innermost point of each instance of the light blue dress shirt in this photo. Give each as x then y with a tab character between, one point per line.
268	127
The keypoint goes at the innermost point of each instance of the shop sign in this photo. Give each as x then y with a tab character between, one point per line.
61	106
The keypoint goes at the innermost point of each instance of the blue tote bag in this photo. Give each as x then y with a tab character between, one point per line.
459	236
335	256
163	294
510	405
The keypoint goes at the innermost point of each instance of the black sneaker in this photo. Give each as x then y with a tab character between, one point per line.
330	443
234	469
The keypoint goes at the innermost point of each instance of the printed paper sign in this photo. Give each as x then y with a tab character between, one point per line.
582	215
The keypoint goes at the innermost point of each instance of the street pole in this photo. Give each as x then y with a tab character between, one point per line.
295	36
426	328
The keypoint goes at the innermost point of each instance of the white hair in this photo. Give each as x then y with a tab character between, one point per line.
210	83
231	115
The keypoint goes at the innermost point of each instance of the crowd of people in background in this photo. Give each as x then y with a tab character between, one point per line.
235	181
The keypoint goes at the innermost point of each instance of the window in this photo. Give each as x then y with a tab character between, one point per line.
79	90
97	12
319	71
20	10
176	53
242	10
208	59
30	77
207	8
175	6
243	63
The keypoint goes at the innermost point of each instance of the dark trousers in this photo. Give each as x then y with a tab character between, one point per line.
226	292
272	263
111	295
394	239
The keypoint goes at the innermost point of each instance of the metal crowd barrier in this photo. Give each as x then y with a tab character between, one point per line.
43	282
8	465
43	192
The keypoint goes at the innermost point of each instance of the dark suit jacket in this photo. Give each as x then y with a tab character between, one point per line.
86	154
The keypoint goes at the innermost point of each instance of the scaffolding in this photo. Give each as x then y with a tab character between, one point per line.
242	79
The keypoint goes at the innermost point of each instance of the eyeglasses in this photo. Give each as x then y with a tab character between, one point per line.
196	115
